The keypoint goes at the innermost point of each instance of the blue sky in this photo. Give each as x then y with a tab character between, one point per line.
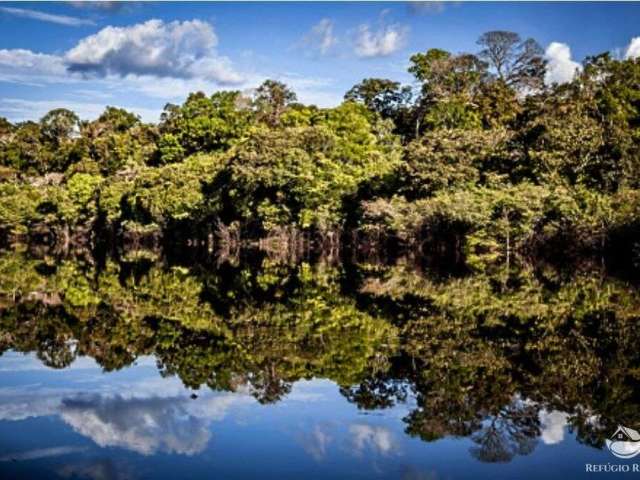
85	56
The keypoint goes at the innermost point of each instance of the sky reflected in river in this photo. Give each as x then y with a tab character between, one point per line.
83	423
153	370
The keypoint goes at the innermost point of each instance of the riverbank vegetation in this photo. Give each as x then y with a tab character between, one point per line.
480	155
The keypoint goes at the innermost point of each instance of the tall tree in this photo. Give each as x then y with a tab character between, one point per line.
59	125
520	64
271	100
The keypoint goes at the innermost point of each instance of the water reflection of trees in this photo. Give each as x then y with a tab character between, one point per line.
481	354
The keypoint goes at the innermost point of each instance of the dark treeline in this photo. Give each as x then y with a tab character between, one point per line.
482	156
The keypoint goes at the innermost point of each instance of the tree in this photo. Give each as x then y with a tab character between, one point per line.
24	149
118	119
444	75
498	104
270	101
202	124
451	158
450	85
118	138
383	96
520	64
59	125
6	127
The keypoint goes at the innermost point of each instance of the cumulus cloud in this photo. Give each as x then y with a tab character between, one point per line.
145	414
633	50
382	42
560	67
175	49
47	17
151	60
321	38
19	65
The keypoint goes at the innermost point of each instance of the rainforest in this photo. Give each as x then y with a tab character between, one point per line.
482	157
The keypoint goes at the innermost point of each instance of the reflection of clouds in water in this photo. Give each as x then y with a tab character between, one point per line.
103	469
316	442
552	425
148	425
145	423
377	439
40	453
359	438
36	400
22	405
145	414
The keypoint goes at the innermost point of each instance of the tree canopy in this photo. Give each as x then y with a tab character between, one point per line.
481	129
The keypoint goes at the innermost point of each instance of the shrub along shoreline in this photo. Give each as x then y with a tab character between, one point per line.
481	155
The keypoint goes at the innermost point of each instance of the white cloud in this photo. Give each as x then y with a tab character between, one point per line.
560	67
153	49
149	425
633	50
318	91
321	38
154	61
25	66
47	17
175	49
381	42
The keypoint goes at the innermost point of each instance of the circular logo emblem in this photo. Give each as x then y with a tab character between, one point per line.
624	443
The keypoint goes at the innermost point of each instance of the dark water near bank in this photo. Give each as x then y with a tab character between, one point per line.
161	368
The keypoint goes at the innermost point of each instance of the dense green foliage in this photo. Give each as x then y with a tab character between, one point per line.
482	151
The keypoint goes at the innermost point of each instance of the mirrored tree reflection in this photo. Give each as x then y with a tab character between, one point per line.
506	356
513	431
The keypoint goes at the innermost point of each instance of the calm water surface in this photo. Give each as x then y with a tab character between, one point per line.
148	368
